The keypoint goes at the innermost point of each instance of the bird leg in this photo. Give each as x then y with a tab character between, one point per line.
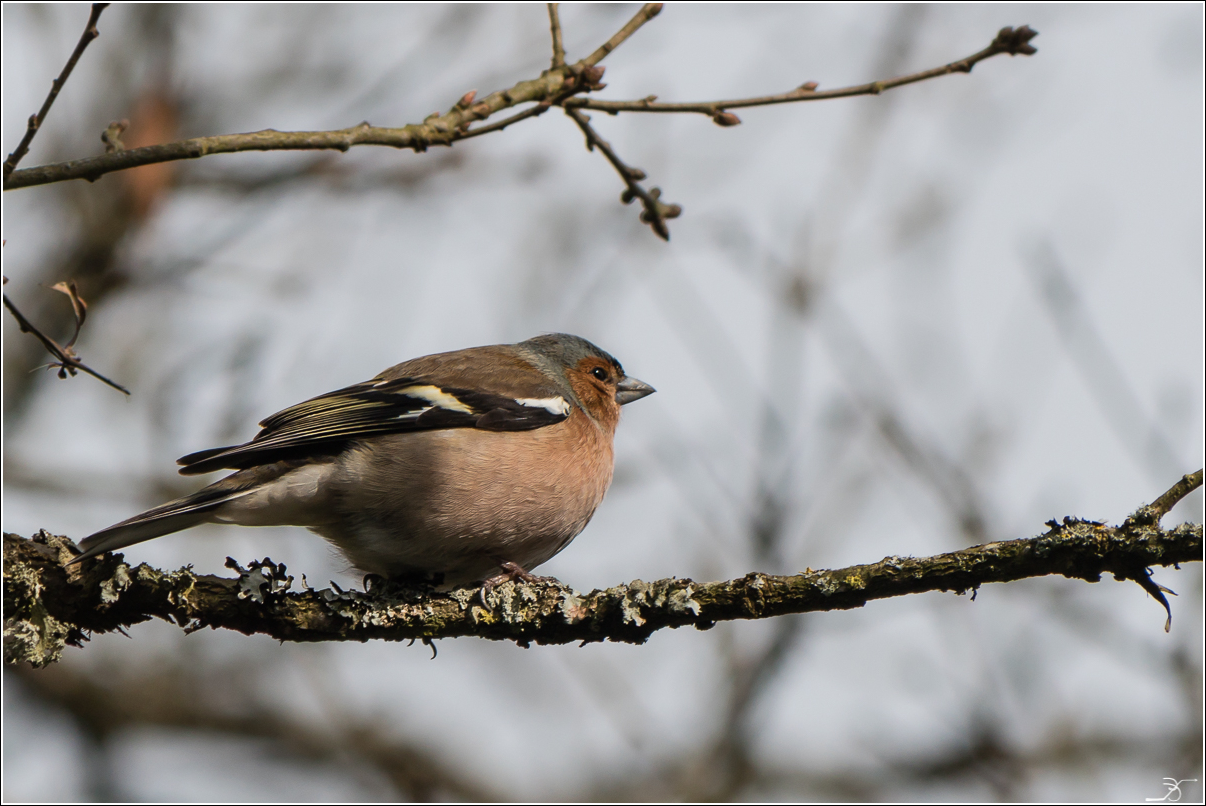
511	572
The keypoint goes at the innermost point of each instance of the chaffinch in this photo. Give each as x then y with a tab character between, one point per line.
459	467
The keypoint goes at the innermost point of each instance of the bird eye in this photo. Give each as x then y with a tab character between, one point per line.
599	373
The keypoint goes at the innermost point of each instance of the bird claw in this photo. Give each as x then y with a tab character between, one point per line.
511	572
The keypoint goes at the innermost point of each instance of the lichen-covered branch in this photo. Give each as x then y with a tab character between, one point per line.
47	606
556	86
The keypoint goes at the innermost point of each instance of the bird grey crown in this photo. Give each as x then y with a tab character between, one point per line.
566	350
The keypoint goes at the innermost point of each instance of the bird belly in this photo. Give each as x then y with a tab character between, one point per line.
459	502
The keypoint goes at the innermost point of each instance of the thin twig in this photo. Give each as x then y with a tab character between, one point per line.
538	109
555	28
437	130
67	362
656	212
1008	40
647	12
553	87
35	121
1161	506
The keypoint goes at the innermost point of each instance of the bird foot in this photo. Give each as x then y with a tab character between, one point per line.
511	572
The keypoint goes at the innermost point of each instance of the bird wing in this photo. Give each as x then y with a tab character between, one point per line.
323	425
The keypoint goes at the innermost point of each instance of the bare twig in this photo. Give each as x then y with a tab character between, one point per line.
1008	40
436	130
656	212
530	112
68	362
48	606
1162	505
35	121
647	12
555	28
553	86
556	86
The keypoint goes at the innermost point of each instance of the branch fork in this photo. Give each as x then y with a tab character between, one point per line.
562	84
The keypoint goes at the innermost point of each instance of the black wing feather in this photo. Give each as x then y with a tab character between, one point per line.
325	424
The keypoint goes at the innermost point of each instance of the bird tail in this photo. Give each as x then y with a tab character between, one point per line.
173	516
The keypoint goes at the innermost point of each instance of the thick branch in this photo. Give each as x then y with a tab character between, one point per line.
36	121
1008	40
47	606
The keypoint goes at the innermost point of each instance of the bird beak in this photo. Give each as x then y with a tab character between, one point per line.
631	389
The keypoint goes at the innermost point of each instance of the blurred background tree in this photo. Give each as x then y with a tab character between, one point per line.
899	324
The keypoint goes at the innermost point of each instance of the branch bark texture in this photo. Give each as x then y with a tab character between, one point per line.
48	606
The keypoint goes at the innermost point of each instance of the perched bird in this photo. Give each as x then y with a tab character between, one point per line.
461	467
